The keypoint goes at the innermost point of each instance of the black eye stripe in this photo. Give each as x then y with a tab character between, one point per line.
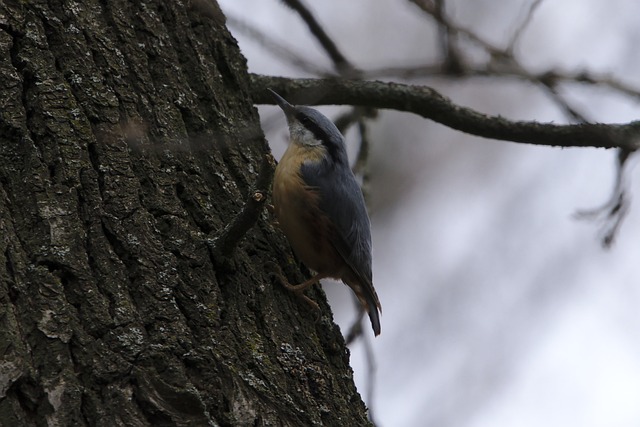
320	135
313	127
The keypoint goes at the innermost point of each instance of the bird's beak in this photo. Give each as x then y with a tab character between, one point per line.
289	110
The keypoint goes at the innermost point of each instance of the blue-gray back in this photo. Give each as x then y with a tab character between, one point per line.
342	201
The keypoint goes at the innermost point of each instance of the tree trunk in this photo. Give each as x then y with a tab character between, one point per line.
129	143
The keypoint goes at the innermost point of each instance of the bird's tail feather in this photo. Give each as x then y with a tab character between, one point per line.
369	300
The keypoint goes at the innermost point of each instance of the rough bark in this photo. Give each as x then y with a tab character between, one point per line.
128	142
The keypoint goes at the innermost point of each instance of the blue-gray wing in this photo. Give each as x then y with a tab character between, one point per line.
342	201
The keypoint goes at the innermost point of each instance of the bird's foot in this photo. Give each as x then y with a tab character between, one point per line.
275	272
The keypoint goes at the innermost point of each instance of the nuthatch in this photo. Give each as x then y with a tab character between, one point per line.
320	206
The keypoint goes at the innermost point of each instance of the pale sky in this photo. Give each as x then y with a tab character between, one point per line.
499	308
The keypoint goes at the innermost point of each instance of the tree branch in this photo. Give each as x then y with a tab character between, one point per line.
223	244
277	47
341	63
522	27
428	103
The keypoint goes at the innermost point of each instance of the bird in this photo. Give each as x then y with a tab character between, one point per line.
321	209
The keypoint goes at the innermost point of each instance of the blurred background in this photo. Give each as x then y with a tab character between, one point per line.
500	308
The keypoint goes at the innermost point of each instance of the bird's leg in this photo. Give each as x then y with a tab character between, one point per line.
299	288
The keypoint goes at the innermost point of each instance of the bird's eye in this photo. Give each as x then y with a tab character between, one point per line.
305	120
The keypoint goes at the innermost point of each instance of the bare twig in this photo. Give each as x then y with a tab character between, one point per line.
223	244
277	48
504	62
493	69
588	77
569	110
452	62
427	102
343	66
347	119
430	8
355	331
346	70
362	160
614	210
523	26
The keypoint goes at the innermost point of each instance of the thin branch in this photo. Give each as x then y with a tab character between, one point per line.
372	369
428	103
520	30
356	330
362	159
347	119
431	10
342	64
492	70
501	63
223	244
436	69
452	62
569	110
614	210
593	79
277	48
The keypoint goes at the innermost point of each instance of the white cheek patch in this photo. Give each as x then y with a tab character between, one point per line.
303	135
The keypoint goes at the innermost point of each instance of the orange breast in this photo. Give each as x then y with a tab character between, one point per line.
307	228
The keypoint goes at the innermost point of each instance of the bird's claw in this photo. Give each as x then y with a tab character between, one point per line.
275	272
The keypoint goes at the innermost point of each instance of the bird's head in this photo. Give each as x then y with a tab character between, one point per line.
309	127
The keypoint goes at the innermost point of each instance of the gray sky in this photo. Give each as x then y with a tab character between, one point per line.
499	308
